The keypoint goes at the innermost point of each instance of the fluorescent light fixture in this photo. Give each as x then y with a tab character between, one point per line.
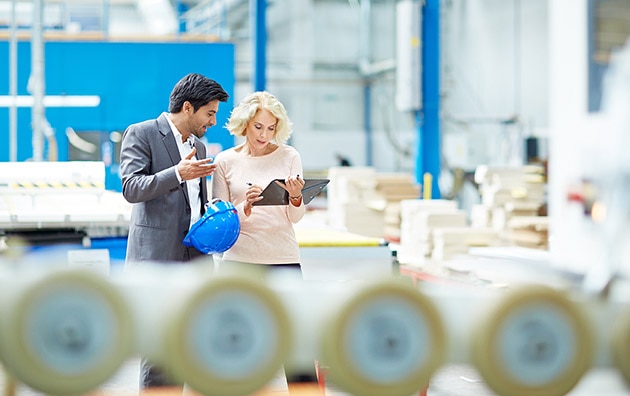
51	101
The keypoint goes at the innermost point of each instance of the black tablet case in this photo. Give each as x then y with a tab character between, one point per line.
275	195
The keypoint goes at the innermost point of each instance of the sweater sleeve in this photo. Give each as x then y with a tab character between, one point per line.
221	186
296	213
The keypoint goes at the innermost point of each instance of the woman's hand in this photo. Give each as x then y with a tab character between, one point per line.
294	186
251	195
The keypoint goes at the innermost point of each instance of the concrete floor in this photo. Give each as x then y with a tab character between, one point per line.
464	380
451	380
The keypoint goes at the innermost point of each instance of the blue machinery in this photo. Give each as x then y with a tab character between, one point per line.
97	86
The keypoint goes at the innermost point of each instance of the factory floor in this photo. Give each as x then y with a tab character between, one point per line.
464	380
451	380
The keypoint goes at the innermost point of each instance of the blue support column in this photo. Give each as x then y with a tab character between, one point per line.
367	120
181	9
428	119
258	18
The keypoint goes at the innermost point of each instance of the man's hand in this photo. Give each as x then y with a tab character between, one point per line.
190	168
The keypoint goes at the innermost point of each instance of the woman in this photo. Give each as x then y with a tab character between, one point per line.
267	236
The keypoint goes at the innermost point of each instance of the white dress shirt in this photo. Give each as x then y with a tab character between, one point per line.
193	186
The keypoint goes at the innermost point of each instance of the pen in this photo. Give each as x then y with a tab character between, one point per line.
249	184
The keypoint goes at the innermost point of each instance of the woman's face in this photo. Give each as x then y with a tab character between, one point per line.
260	130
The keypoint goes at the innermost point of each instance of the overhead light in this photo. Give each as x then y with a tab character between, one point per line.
159	16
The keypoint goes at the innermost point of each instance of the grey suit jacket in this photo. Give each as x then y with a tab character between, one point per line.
160	216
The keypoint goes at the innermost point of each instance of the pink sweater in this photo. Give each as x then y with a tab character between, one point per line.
267	235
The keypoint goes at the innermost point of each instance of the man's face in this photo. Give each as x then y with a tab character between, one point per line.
198	122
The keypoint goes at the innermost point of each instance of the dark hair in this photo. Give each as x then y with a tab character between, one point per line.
196	89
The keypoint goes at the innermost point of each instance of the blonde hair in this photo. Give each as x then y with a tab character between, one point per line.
247	108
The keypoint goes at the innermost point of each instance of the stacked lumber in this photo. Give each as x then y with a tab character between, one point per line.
349	188
450	242
392	222
418	219
507	193
393	188
365	202
529	231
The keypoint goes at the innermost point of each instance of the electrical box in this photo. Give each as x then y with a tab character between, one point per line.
408	55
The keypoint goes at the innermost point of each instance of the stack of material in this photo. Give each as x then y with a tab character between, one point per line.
501	215
523	208
508	184
450	242
418	219
392	222
480	216
393	188
506	193
349	188
365	202
529	231
364	218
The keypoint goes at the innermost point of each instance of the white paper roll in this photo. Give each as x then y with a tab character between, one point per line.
532	341
620	344
224	334
387	338
230	337
64	331
308	304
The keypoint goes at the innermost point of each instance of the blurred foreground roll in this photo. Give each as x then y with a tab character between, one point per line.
63	331
532	341
385	339
620	344
227	336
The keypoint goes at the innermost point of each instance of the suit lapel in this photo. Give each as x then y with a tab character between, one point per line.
169	139
171	145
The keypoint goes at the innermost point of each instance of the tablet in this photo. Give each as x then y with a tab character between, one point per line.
275	195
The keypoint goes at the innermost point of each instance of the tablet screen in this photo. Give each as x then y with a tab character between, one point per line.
275	195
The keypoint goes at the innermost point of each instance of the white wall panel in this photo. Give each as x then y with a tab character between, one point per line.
318	149
313	67
494	67
335	31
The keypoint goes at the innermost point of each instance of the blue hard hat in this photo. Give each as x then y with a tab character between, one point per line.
217	230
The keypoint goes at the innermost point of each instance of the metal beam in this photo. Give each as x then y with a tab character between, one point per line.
258	18
13	86
428	119
37	84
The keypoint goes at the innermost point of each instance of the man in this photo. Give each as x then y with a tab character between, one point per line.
164	168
